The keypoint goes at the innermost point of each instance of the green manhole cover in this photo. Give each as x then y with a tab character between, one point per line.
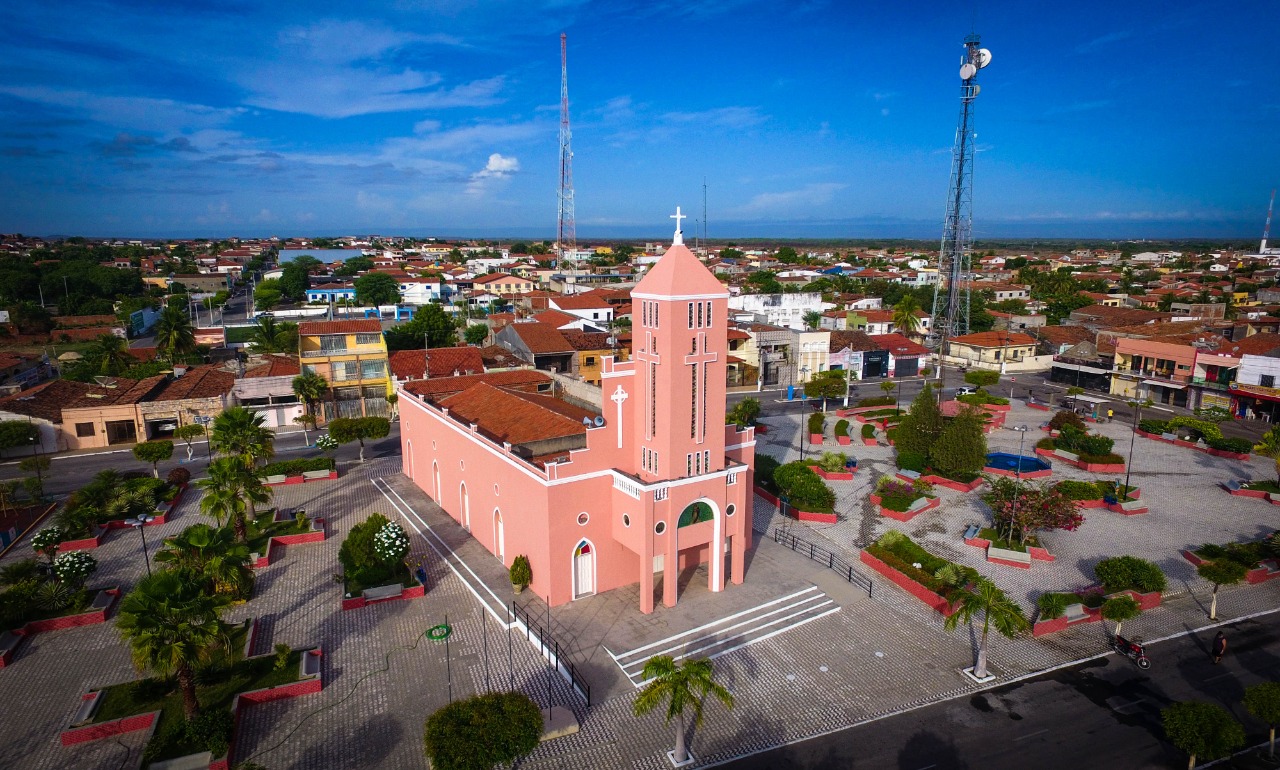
440	632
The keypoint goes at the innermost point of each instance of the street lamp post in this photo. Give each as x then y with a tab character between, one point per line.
1017	491
35	453
804	401
139	523
1128	468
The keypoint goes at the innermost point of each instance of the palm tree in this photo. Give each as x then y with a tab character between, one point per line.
996	608
1269	446
271	336
306	421
172	626
175	336
240	433
212	556
114	354
681	686
905	319
131	503
230	491
310	388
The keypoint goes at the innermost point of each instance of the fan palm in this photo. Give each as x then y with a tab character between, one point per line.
131	503
172	626
175	336
230	491
310	388
272	336
239	433
113	353
997	609
905	319
211	555
682	686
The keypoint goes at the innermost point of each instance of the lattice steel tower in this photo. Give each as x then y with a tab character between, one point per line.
566	230
951	294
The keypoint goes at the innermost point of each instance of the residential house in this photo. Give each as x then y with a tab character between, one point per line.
192	395
352	356
589	308
856	353
590	349
539	344
419	364
787	310
904	355
266	388
990	350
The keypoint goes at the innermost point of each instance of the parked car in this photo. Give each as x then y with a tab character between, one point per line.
966	390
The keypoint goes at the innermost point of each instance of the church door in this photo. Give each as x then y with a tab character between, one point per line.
499	537
584	570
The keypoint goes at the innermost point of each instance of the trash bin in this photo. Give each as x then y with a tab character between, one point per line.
791	392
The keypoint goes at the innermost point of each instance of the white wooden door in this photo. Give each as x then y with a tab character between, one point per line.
500	537
585	573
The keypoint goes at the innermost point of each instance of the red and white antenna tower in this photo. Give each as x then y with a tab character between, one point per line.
1266	231
566	230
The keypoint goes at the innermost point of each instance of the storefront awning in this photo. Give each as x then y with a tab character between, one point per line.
1079	368
1160	384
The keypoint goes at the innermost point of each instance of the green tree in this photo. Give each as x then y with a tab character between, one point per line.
1269	446
1204	730
296	279
307	421
154	452
824	385
430	323
764	282
744	412
211	556
475	334
112	353
377	289
267	294
272	336
981	378
230	491
921	425
188	433
354	265
1263	701
1119	609
347	429
905	319
175	336
812	319
482	731
961	447
240	433
310	388
16	433
680	686
996	608
1221	572
172	626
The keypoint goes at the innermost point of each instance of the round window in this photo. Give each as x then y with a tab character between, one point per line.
583	518
659	528
626	519
732	509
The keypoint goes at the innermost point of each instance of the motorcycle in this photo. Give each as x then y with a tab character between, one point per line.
1132	650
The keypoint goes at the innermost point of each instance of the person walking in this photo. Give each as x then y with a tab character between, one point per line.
1219	647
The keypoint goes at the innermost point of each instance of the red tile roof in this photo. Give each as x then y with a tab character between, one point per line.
588	340
309	328
275	366
994	339
579	302
443	387
48	400
498	357
854	340
519	418
899	346
444	362
556	318
541	338
1254	344
197	382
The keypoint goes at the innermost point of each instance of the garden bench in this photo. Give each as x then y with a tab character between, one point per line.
917	504
1131	505
310	664
382	592
910	474
1234	486
87	707
972	531
102	601
315	474
1075	612
275	478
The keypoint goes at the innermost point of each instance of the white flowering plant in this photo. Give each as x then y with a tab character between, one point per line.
391	543
46	541
326	443
74	567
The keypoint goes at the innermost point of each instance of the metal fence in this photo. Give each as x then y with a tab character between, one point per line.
551	650
821	555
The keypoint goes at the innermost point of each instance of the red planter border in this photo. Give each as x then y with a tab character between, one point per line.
90	618
84	543
942	481
905	516
1041	407
844	440
412	592
1084	466
74	735
1191	445
828	476
333	474
1013	474
314	536
1259	574
935	602
1093	615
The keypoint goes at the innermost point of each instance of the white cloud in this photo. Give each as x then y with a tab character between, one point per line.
499	167
138	113
789	202
721	117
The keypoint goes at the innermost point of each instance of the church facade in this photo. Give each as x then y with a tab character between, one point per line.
650	483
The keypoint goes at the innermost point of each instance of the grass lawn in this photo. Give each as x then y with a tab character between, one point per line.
263	528
239	334
228	675
998	541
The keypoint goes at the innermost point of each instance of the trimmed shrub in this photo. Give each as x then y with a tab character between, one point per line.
842	428
1154	426
178	477
868	431
482	731
521	573
1066	419
803	488
764	470
817	421
362	565
1239	445
1081	490
902	553
1129	572
296	467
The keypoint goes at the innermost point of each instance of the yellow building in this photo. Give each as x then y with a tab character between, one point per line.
352	356
590	349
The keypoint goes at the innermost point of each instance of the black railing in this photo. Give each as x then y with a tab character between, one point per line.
821	555
548	647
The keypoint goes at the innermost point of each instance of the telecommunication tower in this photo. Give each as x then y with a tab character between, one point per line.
1266	230
951	293
566	230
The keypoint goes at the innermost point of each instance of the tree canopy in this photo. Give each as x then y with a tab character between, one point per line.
377	289
431	323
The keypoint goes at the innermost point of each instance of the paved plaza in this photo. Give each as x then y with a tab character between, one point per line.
803	651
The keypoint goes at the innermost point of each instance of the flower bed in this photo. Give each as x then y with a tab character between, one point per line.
1100	464
1008	554
298	471
904	506
1252	555
1208	437
940	481
95	613
895	555
1090	610
836	476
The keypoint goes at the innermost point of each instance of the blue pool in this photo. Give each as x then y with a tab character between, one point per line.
1016	463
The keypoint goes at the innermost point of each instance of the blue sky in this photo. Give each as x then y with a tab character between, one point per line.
807	118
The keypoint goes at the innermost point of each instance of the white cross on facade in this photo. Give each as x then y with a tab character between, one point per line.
678	240
618	397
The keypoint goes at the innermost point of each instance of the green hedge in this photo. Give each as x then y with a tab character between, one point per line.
982	397
842	428
296	467
1154	426
868	431
1240	445
1083	490
901	552
804	489
765	467
1129	572
817	421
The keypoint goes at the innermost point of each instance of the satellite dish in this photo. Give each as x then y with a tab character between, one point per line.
599	422
977	89
967	71
984	58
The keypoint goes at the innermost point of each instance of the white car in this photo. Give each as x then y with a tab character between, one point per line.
966	390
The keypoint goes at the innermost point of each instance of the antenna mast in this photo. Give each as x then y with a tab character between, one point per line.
704	212
951	293
566	235
1266	231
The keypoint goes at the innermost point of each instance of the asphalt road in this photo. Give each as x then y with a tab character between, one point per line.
69	472
1100	714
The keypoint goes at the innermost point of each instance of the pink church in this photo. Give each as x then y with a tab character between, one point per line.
647	483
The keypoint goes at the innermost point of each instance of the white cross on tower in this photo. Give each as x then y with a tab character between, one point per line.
678	240
618	397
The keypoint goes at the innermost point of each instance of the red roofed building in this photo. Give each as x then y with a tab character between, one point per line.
904	355
991	350
409	365
651	481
